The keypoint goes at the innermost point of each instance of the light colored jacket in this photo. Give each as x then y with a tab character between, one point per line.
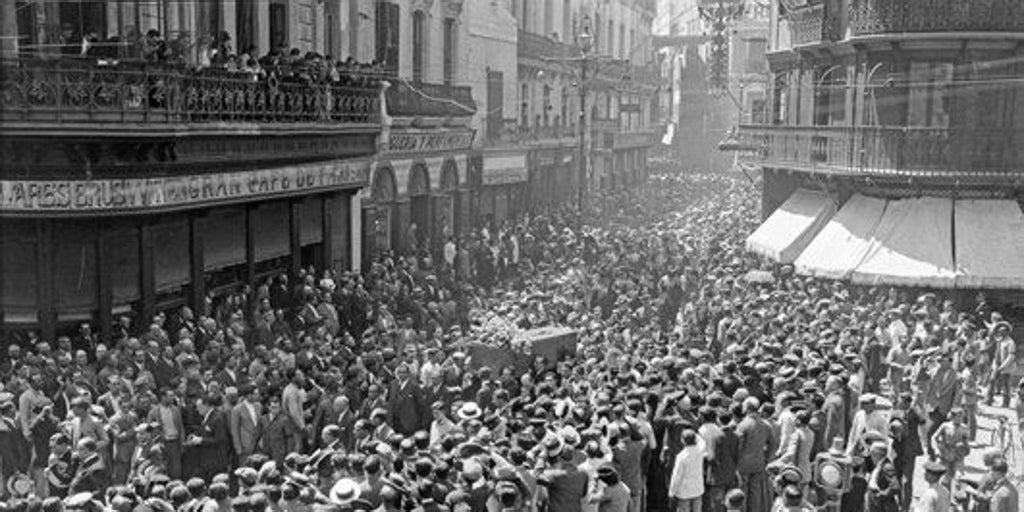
688	474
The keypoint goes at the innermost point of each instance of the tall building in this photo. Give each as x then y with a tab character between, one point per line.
418	192
891	153
159	152
713	58
620	82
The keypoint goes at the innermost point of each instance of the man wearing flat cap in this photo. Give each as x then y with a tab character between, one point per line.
936	497
1004	363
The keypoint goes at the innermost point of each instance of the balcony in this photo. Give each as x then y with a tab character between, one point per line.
539	47
869	17
421	99
884	150
71	92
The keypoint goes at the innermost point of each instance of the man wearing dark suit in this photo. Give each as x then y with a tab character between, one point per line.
757	445
405	402
246	423
229	376
280	433
91	474
722	454
212	438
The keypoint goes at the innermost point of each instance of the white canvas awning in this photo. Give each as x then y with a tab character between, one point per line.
989	244
912	245
844	241
786	233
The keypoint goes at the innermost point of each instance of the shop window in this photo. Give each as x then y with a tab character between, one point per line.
19	279
312	221
123	250
171	261
224	238
75	270
271	230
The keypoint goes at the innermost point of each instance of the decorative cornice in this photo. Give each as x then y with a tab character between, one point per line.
451	8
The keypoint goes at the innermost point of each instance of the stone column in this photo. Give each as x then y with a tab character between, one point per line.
356	232
261	30
8	30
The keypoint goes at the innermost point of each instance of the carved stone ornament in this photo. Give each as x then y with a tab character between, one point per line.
451	8
426	6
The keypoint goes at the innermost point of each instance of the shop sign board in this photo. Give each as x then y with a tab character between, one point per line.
407	142
169	192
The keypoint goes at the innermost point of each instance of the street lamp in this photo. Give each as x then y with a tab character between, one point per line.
591	66
586	40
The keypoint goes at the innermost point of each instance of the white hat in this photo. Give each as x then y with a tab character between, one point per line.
345	491
470	411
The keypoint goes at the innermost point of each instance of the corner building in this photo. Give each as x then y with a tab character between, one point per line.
131	187
893	138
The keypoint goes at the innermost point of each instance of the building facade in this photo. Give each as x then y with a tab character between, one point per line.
160	153
620	82
907	117
139	175
418	194
710	91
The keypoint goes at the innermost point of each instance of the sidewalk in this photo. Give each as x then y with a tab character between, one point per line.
987	425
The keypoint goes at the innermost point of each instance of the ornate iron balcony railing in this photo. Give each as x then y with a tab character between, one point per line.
82	92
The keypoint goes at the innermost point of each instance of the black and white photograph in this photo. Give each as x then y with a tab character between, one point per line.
511	255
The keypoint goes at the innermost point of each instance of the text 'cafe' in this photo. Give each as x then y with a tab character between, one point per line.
93	250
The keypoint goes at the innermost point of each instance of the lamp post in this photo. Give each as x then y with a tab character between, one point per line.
586	46
591	67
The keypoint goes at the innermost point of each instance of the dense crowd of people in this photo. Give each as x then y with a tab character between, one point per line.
694	386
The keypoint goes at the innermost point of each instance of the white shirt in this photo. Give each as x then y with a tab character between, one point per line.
449	253
252	412
688	474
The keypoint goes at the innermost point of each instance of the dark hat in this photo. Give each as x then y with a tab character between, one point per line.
735	498
934	467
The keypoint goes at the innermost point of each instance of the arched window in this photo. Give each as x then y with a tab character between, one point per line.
450	38
419	44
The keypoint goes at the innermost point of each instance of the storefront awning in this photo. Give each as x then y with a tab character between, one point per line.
786	233
844	241
989	244
912	245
